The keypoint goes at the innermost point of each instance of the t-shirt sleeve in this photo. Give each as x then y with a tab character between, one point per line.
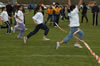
19	14
36	16
2	14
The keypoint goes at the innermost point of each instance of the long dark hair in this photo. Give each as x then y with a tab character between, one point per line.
72	7
19	7
3	8
38	7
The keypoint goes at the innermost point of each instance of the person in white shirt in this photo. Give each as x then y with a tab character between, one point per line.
19	16
38	21
74	24
5	18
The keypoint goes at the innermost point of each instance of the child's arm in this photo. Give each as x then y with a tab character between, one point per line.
35	22
1	19
18	18
80	2
69	3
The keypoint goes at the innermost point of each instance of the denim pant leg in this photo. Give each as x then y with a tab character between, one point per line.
21	29
70	36
80	34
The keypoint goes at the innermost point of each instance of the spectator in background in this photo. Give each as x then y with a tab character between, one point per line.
9	11
53	16
84	13
50	13
30	7
15	7
95	11
57	15
63	12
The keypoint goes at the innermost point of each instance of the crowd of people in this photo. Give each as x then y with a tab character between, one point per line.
53	13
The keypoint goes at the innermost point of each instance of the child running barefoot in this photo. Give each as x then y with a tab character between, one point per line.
38	21
19	16
74	24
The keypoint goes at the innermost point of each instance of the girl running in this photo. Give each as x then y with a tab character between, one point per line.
38	21
74	25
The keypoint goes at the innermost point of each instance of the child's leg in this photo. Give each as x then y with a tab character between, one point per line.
70	36
66	39
81	34
22	29
34	31
44	27
8	26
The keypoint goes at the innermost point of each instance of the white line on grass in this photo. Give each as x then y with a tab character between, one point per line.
41	47
81	56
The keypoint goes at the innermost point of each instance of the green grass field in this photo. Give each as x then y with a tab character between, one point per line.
37	52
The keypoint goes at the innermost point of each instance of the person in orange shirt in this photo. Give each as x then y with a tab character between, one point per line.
50	13
57	11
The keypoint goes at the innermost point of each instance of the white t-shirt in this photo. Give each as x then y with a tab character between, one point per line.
21	16
38	17
74	18
16	16
4	15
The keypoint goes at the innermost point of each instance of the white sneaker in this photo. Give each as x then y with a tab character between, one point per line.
13	29
78	45
25	40
58	45
44	38
55	26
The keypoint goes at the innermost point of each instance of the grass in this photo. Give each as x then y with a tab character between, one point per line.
37	52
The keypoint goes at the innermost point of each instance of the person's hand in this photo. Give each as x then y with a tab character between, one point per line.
35	23
1	19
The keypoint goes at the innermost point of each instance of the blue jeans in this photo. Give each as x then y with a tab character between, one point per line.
72	31
22	29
